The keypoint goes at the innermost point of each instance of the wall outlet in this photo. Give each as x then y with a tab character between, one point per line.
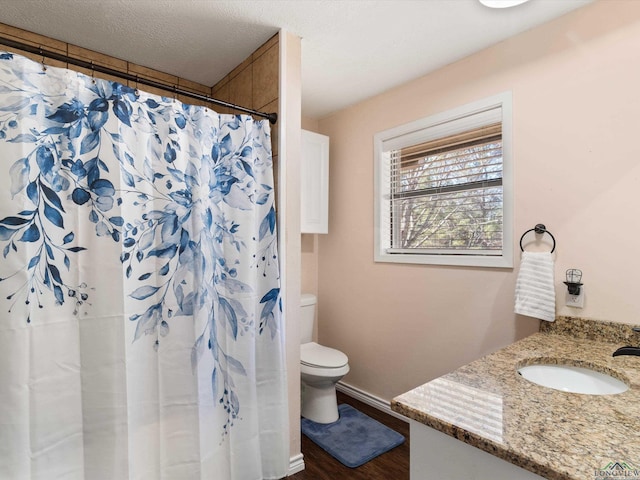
575	301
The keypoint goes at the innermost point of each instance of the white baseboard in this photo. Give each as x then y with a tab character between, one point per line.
369	399
296	464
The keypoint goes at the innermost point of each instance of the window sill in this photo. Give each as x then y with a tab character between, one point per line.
494	261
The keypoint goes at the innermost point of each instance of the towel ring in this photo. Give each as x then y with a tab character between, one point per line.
539	229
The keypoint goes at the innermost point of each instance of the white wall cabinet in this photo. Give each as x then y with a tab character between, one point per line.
314	183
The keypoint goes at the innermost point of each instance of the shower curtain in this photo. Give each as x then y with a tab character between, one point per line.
140	331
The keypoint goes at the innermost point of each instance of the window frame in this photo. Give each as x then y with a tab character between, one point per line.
411	133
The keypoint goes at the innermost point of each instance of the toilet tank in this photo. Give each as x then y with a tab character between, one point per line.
307	316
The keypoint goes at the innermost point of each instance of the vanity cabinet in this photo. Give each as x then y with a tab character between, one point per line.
314	183
435	454
485	421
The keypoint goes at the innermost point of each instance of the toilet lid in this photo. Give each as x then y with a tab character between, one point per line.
315	355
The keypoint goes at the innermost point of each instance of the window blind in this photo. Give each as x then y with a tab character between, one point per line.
445	193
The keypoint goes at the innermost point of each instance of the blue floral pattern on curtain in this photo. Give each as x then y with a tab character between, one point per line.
162	180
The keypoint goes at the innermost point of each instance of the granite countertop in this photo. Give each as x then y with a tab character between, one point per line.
555	434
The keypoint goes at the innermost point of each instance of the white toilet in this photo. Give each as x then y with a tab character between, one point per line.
320	369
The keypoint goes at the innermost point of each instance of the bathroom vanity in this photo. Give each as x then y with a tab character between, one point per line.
485	421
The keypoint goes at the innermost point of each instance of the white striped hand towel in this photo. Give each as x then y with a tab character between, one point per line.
535	291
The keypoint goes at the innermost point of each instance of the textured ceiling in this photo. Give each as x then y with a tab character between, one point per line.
351	49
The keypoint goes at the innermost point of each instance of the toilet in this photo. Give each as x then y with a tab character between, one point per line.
320	369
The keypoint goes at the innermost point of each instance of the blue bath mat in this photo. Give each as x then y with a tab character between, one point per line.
354	438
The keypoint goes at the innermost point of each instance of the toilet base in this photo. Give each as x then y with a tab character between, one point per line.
320	405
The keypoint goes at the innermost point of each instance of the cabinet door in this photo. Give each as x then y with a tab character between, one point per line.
314	183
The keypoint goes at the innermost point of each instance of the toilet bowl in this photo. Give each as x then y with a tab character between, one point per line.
320	369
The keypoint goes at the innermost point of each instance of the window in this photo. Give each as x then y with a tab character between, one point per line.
443	188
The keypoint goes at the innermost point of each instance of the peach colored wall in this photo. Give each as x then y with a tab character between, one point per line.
576	98
310	241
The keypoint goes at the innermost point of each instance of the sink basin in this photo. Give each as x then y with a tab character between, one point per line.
569	378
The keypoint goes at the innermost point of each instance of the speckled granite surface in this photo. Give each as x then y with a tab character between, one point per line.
554	434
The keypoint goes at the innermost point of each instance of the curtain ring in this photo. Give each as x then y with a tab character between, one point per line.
136	91
93	73
44	67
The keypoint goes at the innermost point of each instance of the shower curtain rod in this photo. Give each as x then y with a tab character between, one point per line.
272	117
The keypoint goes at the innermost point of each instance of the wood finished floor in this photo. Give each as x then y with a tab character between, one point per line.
393	465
